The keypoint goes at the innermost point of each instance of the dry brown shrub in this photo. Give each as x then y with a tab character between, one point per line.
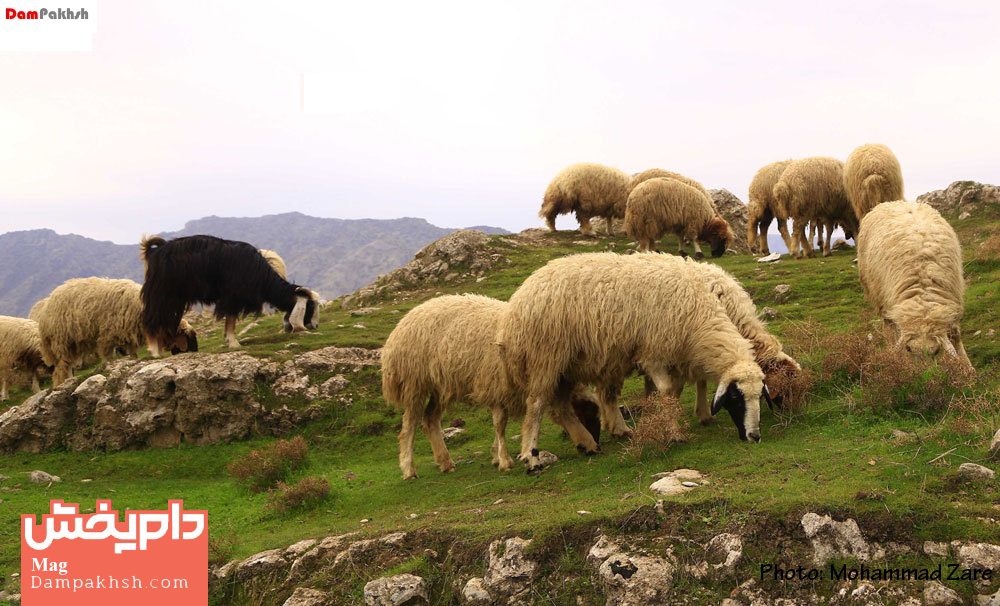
307	491
989	250
791	386
661	423
261	468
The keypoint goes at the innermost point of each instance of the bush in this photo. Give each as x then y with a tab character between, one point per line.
309	491
661	423
261	469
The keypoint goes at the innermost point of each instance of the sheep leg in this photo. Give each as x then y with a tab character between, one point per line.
703	410
563	414
231	333
4	396
763	246
645	244
827	250
35	386
611	231
529	433
650	385
550	221
586	228
611	413
501	458
406	437
61	373
697	250
432	427
783	230
800	240
680	247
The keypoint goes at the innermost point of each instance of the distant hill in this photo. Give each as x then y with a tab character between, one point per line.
332	256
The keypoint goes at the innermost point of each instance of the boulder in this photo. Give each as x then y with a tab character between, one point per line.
397	590
510	571
963	198
936	594
724	552
308	597
474	594
676	482
980	555
734	211
832	539
636	579
973	472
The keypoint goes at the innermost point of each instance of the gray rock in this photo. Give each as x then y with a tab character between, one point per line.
841	244
832	539
734	211
397	590
474	594
673	482
962	197
636	580
297	549
307	597
724	552
509	572
987	600
979	555
973	472
451	432
995	444
781	293
260	563
936	594
600	551
40	477
547	458
769	313
771	258
936	550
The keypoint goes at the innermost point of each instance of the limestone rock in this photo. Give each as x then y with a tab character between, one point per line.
832	539
936	594
307	597
474	594
724	552
771	258
973	472
936	550
600	551
734	211
781	293
509	572
995	444
260	563
963	197
980	555
397	590
673	482
636	580
40	477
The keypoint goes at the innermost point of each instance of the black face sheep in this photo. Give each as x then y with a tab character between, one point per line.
232	275
593	318
910	265
659	205
20	354
278	264
761	207
812	189
442	352
871	176
87	316
589	190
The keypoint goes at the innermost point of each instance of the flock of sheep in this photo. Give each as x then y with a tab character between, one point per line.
579	326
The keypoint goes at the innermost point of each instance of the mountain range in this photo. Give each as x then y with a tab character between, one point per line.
331	256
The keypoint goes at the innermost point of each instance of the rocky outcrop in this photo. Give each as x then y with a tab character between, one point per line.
832	539
964	198
195	398
508	577
632	578
397	590
734	211
461	254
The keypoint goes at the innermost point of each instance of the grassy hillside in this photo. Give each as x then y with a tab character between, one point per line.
835	454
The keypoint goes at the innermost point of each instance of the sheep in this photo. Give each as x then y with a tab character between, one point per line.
86	316
660	205
871	176
20	353
38	309
589	190
654	173
278	265
910	266
233	275
740	309
593	318
761	207
443	352
812	189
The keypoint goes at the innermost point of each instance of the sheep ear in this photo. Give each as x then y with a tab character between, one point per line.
723	395
767	396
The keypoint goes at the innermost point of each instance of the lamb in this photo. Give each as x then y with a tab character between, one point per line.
230	274
38	309
871	176
740	309
593	318
910	265
812	189
87	316
660	205
762	205
589	190
443	352
20	354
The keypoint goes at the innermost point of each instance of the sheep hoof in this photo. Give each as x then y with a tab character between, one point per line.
410	475
587	451
707	421
827	253
448	467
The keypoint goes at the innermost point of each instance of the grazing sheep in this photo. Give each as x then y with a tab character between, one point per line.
38	309
871	176
233	275
740	309
442	352
589	190
593	318
275	261
654	173
812	189
761	207
659	205
87	316
910	265
20	354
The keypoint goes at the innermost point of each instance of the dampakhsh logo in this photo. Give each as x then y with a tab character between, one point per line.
46	13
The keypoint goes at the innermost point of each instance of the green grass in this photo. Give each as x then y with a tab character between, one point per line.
834	456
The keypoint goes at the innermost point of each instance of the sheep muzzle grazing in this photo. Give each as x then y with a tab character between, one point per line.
718	235
305	314
740	396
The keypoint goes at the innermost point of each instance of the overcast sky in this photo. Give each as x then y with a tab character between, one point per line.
461	112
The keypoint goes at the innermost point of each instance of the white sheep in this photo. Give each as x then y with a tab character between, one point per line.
910	265
589	190
443	351
20	354
38	309
812	189
760	209
872	175
661	205
593	318
87	316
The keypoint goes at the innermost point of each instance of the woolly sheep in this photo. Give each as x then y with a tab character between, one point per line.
871	176
812	189
589	190
86	316
278	265
443	351
659	205
910	265
654	173
740	309
20	353
760	209
38	309
593	318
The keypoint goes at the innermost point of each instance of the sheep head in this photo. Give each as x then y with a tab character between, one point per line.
739	392
718	235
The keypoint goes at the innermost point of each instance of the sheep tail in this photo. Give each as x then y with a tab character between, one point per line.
877	188
149	243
